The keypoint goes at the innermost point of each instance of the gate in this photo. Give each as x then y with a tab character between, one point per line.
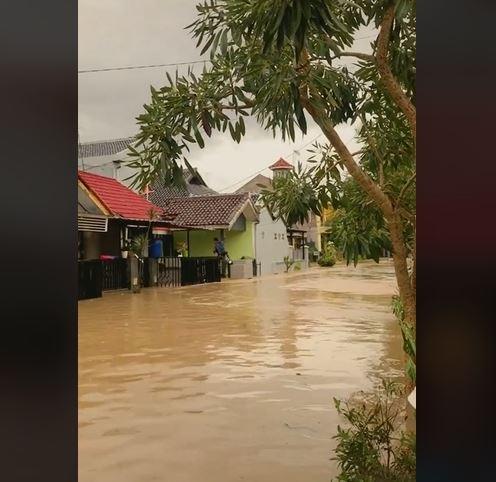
115	274
89	279
169	271
200	270
257	268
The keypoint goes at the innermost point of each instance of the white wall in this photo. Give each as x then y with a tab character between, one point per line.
104	166
271	244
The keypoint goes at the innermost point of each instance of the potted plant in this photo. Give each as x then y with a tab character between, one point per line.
139	245
125	249
182	249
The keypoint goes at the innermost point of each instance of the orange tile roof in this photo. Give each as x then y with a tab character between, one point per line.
281	164
117	198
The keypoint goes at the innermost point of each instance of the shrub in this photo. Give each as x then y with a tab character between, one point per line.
373	447
288	262
329	256
297	267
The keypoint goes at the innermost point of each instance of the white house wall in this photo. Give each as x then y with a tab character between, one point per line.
271	244
104	166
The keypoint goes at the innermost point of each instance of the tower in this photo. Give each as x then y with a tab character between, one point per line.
280	168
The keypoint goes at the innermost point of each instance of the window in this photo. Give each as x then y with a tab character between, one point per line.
275	236
263	234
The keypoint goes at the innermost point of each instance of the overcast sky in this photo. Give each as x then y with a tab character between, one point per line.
117	33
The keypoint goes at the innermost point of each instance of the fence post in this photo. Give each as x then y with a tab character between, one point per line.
134	274
153	271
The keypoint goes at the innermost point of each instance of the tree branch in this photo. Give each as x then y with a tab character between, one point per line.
390	83
236	107
360	176
380	159
405	188
358	55
327	127
407	215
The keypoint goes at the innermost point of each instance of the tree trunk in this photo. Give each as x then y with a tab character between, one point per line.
392	217
407	294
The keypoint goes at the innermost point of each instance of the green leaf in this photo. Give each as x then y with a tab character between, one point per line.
198	137
242	126
223	42
207	45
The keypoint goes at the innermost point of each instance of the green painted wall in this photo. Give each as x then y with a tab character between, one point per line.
237	243
240	243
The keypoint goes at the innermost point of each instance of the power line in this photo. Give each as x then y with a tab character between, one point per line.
153	66
266	167
136	67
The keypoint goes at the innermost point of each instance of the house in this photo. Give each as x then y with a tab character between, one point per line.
92	220
106	158
310	230
271	241
197	219
194	185
275	240
110	213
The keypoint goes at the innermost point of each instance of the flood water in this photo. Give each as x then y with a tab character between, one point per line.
233	381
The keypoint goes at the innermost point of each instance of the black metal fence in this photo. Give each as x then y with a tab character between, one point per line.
115	274
169	271
200	270
89	279
96	276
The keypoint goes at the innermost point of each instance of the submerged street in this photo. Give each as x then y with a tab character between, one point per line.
232	381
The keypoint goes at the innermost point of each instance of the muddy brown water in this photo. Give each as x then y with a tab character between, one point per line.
233	381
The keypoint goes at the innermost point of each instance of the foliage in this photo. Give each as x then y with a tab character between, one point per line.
279	61
408	333
182	248
373	447
297	267
139	245
292	198
254	48
288	262
329	256
312	248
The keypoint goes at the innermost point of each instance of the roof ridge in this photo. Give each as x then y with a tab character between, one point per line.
99	141
86	173
227	194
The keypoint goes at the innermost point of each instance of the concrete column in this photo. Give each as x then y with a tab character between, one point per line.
153	271
134	274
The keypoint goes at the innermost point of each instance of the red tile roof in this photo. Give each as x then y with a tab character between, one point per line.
205	211
281	164
117	198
